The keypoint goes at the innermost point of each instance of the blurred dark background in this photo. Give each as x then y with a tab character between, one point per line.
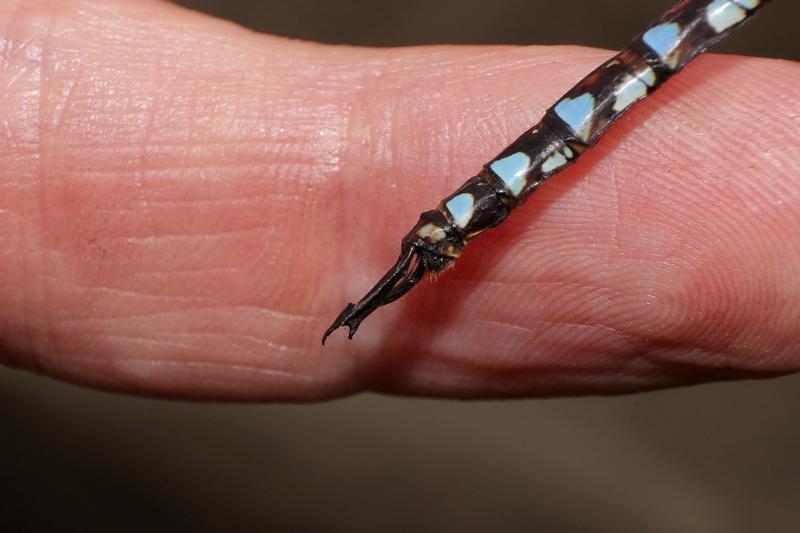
716	458
601	23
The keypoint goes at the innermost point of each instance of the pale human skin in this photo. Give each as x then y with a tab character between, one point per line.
187	205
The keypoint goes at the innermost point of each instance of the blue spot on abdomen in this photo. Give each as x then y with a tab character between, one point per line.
663	39
513	170
578	113
461	208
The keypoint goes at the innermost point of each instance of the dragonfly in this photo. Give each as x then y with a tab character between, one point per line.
572	125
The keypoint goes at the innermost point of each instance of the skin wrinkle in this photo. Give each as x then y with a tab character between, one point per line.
226	367
44	334
149	131
235	339
195	270
154	237
58	112
254	129
139	293
221	377
196	309
598	327
626	347
189	346
358	132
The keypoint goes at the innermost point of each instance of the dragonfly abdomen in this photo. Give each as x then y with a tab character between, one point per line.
572	125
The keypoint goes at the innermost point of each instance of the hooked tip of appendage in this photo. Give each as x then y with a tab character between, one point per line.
341	320
352	331
328	332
